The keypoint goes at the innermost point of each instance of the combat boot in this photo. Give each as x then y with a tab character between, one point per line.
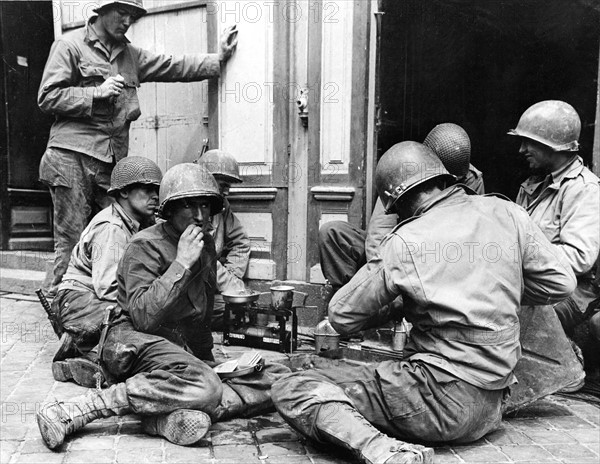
57	420
343	425
82	370
182	426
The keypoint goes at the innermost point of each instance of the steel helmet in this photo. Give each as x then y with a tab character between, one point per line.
188	180
553	123
452	145
221	163
137	4
403	167
134	170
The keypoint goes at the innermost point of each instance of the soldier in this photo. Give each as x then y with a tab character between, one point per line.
166	285
462	263
90	284
344	249
562	197
231	240
90	85
453	146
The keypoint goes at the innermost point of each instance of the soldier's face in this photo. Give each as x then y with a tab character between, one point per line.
143	201
540	157
190	211
117	20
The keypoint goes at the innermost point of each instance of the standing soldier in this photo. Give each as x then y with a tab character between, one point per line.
231	240
90	283
90	85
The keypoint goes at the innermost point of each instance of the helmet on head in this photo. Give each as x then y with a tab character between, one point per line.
452	145
402	168
220	163
553	123
187	180
134	170
137	4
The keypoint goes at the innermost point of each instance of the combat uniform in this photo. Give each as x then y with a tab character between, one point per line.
90	283
89	136
344	248
566	206
463	264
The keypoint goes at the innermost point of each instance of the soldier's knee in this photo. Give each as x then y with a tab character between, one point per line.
595	327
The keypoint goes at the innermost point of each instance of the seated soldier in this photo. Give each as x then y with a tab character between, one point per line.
231	240
462	299
344	249
166	282
90	283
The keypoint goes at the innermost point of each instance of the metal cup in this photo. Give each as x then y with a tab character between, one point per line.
282	297
399	337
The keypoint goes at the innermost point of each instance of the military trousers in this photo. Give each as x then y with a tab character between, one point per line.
78	184
161	377
410	401
341	252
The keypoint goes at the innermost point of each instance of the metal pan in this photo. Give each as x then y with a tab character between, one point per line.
240	299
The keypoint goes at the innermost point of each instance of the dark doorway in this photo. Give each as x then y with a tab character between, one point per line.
26	34
480	64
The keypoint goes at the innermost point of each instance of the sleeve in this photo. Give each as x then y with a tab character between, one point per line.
168	68
363	302
547	275
107	248
149	296
580	226
59	93
237	246
227	281
379	226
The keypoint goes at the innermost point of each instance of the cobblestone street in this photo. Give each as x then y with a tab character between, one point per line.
555	429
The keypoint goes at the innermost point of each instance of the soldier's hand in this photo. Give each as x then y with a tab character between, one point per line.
111	87
190	246
228	43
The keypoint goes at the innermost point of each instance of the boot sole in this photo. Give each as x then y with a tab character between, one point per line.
182	427
50	434
80	370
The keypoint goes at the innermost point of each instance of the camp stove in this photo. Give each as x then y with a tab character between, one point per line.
260	326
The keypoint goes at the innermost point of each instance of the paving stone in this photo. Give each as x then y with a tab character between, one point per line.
89	456
35	446
445	456
233	424
139	441
550	436
508	436
585	435
529	453
288	460
568	422
249	452
92	443
12	431
594	447
275	435
139	455
41	458
7	449
485	453
541	408
570	452
587	412
230	437
282	449
524	425
186	454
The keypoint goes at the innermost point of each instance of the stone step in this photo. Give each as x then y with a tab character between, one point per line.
27	260
23	281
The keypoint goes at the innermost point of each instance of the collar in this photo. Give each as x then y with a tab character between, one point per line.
555	178
131	223
457	190
92	38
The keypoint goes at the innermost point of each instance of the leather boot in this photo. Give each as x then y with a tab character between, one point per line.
58	419
67	348
242	401
343	425
82	370
182	426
